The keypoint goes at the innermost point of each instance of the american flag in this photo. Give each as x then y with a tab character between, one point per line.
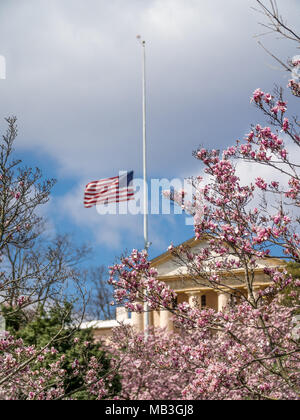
109	190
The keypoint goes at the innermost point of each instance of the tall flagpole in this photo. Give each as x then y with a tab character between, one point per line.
146	240
145	151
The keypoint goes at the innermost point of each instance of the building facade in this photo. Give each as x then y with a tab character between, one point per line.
187	290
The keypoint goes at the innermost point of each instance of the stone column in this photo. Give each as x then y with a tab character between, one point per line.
165	320
193	299
156	319
223	300
121	314
137	321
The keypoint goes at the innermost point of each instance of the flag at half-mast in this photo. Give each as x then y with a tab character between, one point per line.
109	190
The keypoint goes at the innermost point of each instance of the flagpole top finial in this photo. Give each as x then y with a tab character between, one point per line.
139	38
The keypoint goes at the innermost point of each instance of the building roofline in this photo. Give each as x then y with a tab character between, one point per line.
168	254
165	256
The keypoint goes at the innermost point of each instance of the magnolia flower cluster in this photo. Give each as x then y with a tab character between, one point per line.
190	203
29	380
232	361
134	279
294	83
29	373
295	87
250	349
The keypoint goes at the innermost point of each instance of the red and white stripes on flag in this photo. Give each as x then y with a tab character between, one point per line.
109	190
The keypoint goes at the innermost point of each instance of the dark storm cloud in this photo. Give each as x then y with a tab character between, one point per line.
74	81
74	71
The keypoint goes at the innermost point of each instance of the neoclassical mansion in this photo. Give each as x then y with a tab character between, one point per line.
186	289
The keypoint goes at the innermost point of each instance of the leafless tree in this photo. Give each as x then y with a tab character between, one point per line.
275	23
101	295
23	190
43	275
35	272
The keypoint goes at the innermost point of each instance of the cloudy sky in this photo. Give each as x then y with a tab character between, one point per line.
74	82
